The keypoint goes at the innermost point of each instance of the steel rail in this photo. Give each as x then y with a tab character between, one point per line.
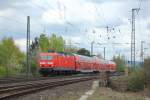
10	92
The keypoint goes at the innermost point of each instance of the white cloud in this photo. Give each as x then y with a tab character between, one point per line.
73	39
83	18
21	43
52	17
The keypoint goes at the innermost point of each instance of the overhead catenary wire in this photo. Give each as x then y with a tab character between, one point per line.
6	30
44	9
110	36
38	6
19	22
11	19
140	4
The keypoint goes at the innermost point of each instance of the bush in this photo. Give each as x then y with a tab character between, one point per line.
2	71
146	72
119	60
135	82
34	68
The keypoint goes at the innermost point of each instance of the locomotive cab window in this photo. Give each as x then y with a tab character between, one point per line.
49	57
46	57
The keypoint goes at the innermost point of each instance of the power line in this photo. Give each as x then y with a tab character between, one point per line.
11	19
140	3
38	6
139	7
114	43
42	9
59	8
5	29
104	19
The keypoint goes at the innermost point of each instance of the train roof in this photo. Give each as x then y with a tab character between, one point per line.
82	57
47	53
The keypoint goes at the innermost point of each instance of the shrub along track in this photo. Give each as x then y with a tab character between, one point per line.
17	89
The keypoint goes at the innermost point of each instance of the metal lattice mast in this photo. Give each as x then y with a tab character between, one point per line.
133	38
104	52
92	47
142	53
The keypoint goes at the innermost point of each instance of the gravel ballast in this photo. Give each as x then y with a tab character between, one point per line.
68	92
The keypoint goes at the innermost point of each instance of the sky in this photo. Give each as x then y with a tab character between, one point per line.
79	21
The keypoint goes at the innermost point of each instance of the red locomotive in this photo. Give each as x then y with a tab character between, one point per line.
64	63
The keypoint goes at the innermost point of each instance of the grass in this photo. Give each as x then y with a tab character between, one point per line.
121	78
109	94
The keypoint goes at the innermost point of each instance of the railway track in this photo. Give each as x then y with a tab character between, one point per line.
24	78
17	89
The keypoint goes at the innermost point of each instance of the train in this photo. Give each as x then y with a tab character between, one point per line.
62	63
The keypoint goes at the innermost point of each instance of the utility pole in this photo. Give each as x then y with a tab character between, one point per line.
44	29
28	46
142	52
133	38
104	52
107	29
92	47
70	45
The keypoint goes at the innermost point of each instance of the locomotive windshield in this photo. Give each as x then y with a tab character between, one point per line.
45	57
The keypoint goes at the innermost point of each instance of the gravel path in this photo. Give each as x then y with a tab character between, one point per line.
67	92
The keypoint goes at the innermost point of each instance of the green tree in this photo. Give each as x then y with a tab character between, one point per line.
119	60
10	56
83	51
44	43
56	43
